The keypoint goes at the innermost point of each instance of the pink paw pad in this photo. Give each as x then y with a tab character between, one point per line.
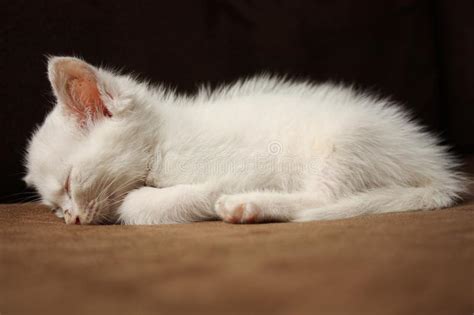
238	213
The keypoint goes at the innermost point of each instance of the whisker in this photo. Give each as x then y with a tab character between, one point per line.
16	199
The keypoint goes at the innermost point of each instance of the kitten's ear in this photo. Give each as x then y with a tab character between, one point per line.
78	88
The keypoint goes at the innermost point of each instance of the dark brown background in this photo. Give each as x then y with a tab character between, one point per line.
421	52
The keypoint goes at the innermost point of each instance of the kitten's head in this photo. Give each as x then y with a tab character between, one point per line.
91	149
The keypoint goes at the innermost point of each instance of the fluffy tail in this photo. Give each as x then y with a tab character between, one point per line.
382	200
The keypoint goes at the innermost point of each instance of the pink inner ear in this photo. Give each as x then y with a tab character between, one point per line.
86	99
83	97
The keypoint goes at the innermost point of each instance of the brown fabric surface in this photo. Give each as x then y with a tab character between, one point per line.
402	263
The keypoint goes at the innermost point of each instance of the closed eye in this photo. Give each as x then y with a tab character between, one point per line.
67	184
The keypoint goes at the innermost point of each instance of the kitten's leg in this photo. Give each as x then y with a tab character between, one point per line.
265	206
177	204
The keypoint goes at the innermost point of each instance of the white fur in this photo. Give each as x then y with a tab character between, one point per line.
262	149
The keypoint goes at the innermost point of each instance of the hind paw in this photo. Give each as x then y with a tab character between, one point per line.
232	210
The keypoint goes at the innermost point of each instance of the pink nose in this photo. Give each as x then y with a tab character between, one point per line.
78	221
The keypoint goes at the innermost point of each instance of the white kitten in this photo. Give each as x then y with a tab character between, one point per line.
263	149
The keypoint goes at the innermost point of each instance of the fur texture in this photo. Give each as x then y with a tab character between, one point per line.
263	149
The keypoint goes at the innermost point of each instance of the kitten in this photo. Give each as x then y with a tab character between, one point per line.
117	150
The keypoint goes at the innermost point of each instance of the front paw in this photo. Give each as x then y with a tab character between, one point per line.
133	210
233	209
